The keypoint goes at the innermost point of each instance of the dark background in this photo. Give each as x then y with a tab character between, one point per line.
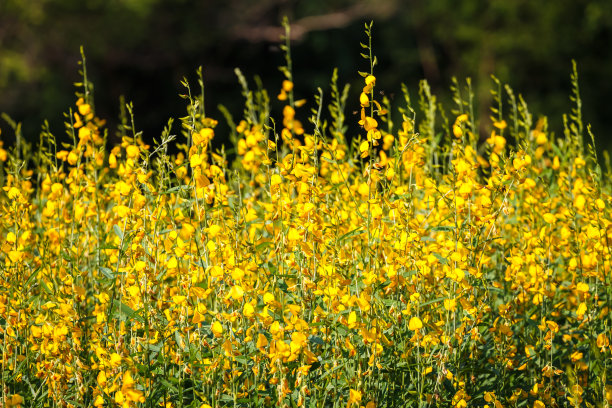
143	48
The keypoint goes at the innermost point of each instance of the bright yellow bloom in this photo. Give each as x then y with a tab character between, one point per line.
217	329
354	398
364	100
248	310
132	151
415	323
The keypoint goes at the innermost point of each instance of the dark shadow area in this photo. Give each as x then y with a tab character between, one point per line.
143	48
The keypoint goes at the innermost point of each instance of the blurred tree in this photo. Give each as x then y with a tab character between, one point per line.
142	48
526	44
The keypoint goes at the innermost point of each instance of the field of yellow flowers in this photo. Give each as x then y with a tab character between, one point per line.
411	264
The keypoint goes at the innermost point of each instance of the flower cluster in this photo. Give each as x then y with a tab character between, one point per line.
411	268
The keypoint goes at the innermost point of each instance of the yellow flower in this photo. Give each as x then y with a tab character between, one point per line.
457	131
354	397
203	136
364	148
122	210
462	118
500	125
287	85
172	263
602	341
268	298
132	151
276	180
262	341
450	304
72	158
582	287
352	320
368	123
102	379
576	355
541	138
236	292
197	317
364	100
217	329
115	360
178	299
195	160
248	310
99	401
14	400
294	235
84	109
119	397
85	134
415	323
579	202
214	230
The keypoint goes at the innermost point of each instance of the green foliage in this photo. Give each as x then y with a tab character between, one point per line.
335	263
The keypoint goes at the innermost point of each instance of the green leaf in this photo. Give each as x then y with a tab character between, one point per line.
263	245
179	340
118	231
282	285
350	234
127	313
440	258
316	340
429	302
169	385
444	228
107	272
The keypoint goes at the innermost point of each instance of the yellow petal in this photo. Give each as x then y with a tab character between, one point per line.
415	324
217	329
